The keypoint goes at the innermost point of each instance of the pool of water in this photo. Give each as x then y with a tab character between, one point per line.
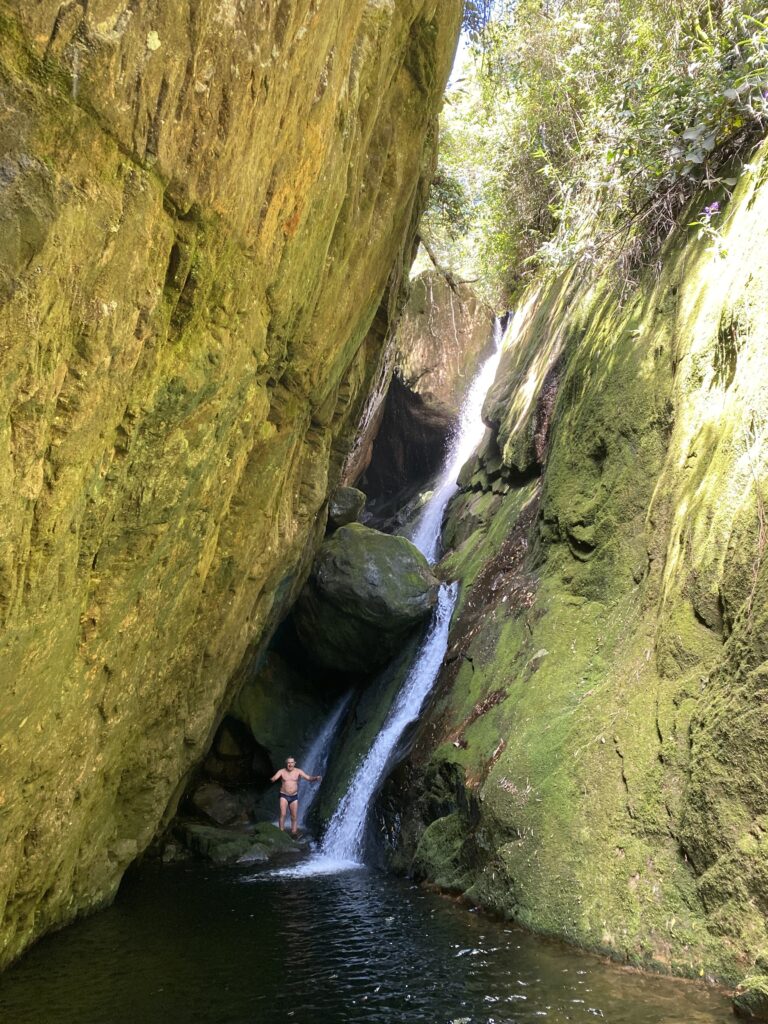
189	945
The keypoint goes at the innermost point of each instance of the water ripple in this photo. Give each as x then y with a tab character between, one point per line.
184	946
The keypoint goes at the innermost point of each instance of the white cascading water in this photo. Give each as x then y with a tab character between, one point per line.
343	840
314	761
425	532
341	848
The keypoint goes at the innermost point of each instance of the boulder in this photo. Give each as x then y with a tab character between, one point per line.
345	506
227	846
217	804
366	593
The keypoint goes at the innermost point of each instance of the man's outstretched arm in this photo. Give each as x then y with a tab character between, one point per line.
278	775
310	778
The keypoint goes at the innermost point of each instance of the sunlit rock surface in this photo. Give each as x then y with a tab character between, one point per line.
594	763
345	506
201	205
442	338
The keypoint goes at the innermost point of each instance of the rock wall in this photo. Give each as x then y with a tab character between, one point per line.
442	337
594	763
201	205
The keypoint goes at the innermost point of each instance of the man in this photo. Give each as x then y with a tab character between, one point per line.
289	792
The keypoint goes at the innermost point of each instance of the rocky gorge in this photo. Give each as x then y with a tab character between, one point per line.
208	213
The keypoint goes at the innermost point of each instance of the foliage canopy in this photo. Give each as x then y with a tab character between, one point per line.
581	129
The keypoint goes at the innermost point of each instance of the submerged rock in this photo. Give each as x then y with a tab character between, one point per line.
345	506
366	593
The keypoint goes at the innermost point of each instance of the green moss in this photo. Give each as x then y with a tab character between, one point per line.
607	704
751	1001
440	854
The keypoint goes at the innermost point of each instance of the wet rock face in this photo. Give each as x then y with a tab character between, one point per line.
441	340
217	804
366	593
202	207
409	450
603	699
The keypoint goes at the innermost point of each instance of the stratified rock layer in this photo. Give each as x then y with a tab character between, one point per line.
594	764
201	204
441	339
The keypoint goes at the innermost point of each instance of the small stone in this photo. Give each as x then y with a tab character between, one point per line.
153	41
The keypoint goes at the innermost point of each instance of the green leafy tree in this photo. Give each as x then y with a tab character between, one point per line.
583	127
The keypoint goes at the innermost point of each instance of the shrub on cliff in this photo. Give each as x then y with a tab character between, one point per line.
586	126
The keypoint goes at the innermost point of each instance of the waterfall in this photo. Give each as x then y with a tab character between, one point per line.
342	844
425	532
314	761
341	847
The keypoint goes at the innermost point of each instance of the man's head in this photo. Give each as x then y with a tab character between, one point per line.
290	763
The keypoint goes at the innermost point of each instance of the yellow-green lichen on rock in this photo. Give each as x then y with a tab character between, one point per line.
605	701
201	206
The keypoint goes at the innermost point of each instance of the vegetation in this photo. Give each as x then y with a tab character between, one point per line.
582	128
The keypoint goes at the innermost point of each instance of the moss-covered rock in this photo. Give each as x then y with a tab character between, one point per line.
751	1001
366	593
206	218
605	698
261	843
345	506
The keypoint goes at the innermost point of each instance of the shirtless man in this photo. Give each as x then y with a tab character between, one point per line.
289	792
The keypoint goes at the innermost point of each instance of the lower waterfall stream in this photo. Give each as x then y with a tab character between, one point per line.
331	941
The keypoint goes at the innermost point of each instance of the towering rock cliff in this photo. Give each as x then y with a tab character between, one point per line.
594	764
202	203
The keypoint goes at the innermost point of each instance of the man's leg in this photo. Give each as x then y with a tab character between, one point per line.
283	811
294	817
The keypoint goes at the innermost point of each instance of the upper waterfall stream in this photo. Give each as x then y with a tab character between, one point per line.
425	532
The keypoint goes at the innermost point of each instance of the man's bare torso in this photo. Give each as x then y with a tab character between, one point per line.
289	781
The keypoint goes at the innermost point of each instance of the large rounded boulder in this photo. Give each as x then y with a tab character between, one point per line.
366	593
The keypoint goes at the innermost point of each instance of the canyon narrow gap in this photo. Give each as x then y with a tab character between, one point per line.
383	391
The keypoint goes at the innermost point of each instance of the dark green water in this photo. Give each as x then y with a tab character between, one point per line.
186	945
